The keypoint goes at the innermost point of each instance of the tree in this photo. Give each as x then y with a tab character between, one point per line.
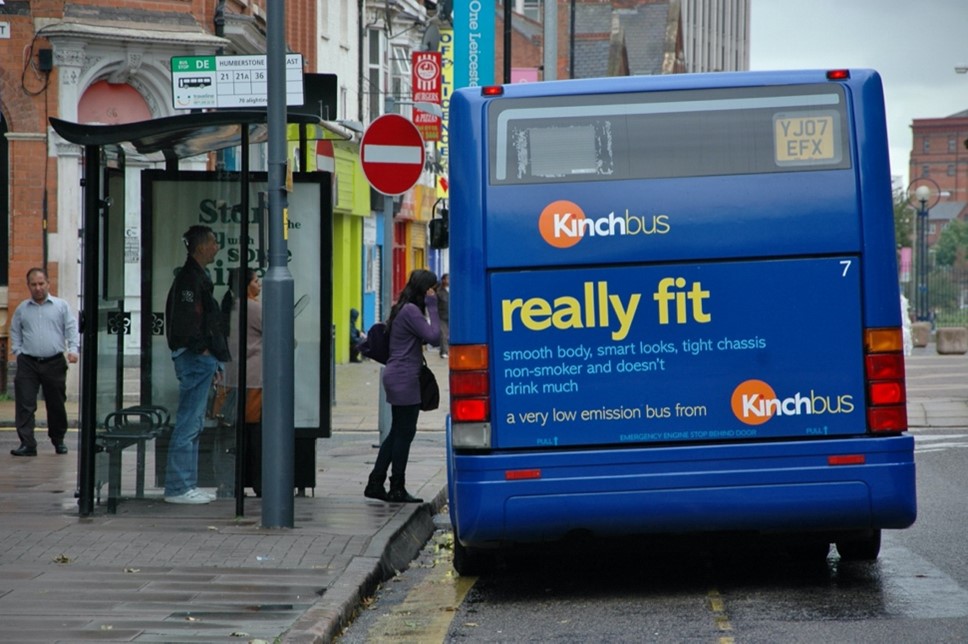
903	220
952	245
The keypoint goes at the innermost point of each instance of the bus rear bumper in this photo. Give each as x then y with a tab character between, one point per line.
835	485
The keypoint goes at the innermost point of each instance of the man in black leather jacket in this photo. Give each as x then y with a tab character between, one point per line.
198	344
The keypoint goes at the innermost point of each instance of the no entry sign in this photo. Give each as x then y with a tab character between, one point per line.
392	154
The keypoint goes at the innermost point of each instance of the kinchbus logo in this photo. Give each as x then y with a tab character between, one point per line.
563	224
754	402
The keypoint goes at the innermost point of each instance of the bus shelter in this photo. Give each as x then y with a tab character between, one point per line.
124	425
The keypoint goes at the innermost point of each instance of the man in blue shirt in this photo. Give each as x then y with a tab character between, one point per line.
41	329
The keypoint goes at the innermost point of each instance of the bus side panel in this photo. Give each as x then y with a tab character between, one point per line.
467	270
881	308
774	487
677	352
743	216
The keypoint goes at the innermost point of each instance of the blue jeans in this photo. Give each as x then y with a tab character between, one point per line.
195	373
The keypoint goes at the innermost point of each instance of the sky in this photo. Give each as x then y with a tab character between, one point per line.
914	44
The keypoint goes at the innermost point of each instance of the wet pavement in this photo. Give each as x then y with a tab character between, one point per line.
156	572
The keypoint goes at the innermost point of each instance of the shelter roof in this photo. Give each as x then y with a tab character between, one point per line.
185	135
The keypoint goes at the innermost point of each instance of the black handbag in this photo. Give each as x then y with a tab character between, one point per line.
377	344
429	390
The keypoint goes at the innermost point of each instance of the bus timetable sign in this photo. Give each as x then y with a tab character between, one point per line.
230	81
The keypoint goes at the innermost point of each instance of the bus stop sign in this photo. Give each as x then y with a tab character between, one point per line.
392	154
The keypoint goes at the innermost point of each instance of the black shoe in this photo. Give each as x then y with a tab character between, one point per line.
23	450
400	495
60	448
374	491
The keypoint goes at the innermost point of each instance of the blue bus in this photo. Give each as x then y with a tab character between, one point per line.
675	310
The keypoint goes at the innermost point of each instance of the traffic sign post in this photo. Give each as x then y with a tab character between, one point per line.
392	154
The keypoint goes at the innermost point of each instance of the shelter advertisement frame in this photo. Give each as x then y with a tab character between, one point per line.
172	202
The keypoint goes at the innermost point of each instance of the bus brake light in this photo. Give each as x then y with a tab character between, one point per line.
884	374
838	74
492	90
469	410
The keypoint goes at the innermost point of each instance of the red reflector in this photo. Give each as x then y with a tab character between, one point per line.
469	410
468	383
887	419
890	392
492	90
846	459
885	366
838	74
520	475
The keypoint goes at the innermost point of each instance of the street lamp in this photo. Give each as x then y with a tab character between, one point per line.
923	194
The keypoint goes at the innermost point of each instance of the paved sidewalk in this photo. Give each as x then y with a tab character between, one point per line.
157	572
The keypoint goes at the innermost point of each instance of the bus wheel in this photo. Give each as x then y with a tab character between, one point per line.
864	549
470	562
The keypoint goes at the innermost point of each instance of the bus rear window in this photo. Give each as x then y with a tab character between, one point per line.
668	134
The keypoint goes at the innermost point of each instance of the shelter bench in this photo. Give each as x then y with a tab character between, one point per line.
122	429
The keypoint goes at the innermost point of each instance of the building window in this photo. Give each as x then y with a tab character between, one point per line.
951	169
925	170
376	72
952	144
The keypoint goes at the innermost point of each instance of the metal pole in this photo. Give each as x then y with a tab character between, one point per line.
89	319
241	347
507	41
278	437
550	59
386	296
571	42
922	301
386	285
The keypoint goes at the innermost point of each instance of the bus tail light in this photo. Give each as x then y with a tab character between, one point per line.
884	373
492	90
838	74
470	401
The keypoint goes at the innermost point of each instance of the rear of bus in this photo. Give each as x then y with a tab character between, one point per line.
675	310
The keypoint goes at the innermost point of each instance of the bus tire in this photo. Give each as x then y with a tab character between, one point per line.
470	562
863	549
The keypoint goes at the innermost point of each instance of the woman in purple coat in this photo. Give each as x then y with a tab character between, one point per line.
413	322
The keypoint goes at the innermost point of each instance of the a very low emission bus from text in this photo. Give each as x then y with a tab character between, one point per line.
675	310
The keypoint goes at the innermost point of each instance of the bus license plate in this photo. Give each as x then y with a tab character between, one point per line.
805	139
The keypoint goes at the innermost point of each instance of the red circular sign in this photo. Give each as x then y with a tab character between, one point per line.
392	154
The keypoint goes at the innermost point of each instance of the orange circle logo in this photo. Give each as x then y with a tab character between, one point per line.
752	402
560	223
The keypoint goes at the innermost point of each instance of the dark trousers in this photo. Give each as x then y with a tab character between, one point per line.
33	376
395	449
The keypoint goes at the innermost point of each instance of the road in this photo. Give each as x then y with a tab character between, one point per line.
653	590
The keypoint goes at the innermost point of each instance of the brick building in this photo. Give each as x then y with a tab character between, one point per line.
940	152
95	61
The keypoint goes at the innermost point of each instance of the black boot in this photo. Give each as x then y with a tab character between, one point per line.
374	488
399	494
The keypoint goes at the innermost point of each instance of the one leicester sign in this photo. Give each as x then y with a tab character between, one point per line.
392	154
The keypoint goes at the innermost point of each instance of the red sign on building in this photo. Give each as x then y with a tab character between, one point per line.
425	79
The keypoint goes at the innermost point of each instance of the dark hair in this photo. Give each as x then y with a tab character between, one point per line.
38	269
415	291
195	236
236	286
